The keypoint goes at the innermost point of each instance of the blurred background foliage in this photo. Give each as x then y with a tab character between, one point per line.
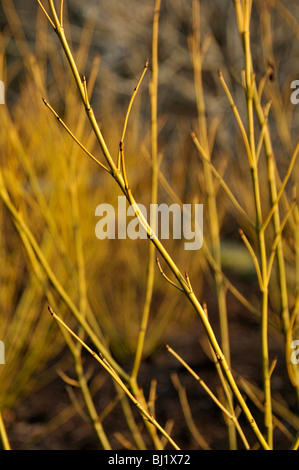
56	188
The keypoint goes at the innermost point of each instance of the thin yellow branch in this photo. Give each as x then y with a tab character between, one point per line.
104	363
74	137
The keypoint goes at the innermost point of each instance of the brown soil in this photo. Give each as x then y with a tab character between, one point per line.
34	422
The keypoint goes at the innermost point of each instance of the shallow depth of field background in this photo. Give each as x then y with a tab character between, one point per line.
41	408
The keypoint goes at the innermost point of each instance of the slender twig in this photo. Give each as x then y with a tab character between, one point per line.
154	190
120	158
263	130
167	278
105	364
230	416
249	90
221	180
209	255
254	258
237	116
278	237
61	12
282	187
188	413
197	61
74	137
3	434
46	13
200	381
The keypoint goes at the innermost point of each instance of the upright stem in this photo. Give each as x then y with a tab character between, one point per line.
249	79
154	198
3	434
285	315
154	191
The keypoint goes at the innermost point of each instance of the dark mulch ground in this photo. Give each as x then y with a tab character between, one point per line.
34	423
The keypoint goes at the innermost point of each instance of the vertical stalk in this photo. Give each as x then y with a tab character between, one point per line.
154	190
212	205
3	434
88	400
249	83
154	198
282	280
271	168
76	348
